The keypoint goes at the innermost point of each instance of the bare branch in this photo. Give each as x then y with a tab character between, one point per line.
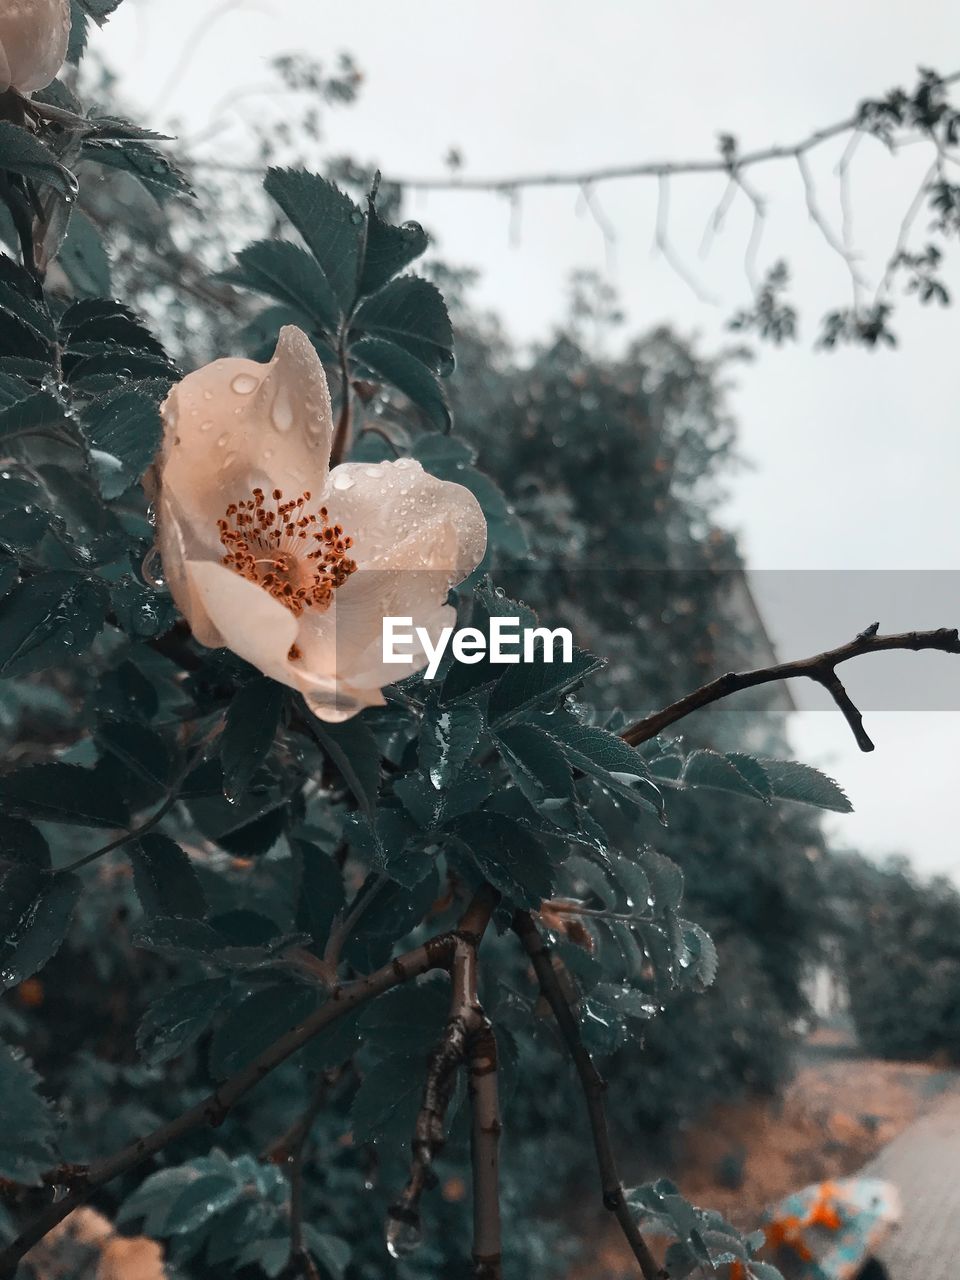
593	1090
817	217
467	1036
436	953
662	242
821	668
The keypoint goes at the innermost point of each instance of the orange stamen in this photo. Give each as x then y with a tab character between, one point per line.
273	549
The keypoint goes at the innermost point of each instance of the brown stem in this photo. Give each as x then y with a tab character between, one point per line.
436	953
466	1032
485	1152
593	1087
820	668
343	432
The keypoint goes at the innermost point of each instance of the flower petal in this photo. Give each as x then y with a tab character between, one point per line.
381	504
235	424
247	618
33	42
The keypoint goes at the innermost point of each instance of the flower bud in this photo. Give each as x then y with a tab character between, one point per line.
33	42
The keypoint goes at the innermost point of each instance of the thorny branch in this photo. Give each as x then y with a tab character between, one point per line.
593	1087
436	953
820	668
467	1037
289	1152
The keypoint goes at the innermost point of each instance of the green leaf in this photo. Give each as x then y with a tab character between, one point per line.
139	748
164	878
282	270
252	723
410	313
388	249
255	1024
393	911
125	426
386	1103
58	792
353	749
331	1252
152	169
28	1133
666	879
178	1018
99	10
46	618
448	738
408	1019
790	780
606	757
507	855
329	222
321	892
35	910
530	684
21	152
22	842
181	936
84	258
33	414
201	1200
709	770
386	361
539	767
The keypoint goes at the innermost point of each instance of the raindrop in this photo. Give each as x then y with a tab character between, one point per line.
208	394
205	426
244	383
411	229
151	514
356	218
223	439
152	569
373	472
267	455
403	1237
281	413
342	480
228	461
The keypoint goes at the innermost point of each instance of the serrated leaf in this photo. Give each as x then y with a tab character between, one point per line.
35	910
126	426
152	169
164	878
709	770
388	249
448	737
48	617
22	153
353	749
178	1018
329	223
540	769
139	748
84	259
790	780
606	757
255	1024
21	842
321	894
387	1100
666	879
386	361
528	685
410	313
284	271
507	855
28	1133
34	413
201	1200
66	793
251	726
408	1019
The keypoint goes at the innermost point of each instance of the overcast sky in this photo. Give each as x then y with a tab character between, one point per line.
855	455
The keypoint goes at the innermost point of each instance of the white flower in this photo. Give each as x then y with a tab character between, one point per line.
33	42
289	564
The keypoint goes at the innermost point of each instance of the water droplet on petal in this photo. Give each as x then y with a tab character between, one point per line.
281	412
244	383
223	439
228	461
371	471
342	480
205	426
152	569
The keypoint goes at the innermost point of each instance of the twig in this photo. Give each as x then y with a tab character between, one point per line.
485	1151
436	953
171	798
820	222
343	431
593	1090
468	1035
821	668
289	1151
607	173
662	242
